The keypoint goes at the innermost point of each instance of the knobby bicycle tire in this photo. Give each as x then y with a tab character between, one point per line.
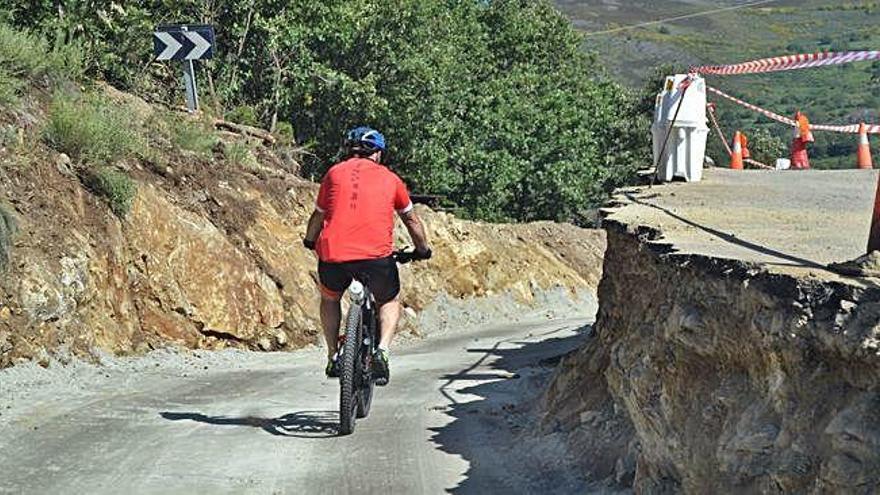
365	399
348	386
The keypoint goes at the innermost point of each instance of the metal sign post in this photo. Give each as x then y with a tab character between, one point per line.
186	43
192	91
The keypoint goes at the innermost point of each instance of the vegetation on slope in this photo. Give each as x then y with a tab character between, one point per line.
48	102
490	104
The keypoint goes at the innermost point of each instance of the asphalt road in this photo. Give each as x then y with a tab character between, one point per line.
789	221
456	418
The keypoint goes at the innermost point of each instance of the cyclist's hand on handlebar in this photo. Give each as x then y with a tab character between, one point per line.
423	255
404	256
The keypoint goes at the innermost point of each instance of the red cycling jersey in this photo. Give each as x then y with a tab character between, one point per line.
358	198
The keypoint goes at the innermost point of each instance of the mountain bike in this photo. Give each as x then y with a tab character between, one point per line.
358	346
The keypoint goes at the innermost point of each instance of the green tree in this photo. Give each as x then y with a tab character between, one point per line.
492	104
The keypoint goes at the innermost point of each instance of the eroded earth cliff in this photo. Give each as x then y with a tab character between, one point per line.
714	375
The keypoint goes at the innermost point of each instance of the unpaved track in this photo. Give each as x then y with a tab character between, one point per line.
453	420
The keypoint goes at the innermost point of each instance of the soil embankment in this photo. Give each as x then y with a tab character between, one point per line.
753	371
210	256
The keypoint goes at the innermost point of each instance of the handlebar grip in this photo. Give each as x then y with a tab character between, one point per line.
404	257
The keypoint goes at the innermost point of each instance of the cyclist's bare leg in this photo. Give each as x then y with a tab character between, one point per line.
389	315
331	315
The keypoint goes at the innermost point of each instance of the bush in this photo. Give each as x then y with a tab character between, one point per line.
240	155
10	87
116	187
91	129
190	135
284	133
766	147
30	56
243	114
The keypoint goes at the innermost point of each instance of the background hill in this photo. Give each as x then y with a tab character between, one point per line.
843	94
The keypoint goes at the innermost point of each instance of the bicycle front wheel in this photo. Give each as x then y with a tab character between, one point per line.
365	398
350	372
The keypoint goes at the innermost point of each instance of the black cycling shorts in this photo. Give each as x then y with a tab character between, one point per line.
380	275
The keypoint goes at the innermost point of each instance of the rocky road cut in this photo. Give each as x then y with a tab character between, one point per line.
456	418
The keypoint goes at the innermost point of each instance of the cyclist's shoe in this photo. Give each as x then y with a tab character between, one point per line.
332	369
381	369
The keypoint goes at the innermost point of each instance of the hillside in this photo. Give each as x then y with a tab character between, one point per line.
127	226
843	94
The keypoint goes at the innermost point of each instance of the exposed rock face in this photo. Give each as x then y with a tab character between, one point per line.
711	376
211	256
192	269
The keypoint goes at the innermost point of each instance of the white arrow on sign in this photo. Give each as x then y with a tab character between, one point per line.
201	43
171	46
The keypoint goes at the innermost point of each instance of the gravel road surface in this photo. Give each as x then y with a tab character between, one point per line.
456	418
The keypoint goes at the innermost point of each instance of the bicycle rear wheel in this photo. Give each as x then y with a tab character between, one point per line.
350	374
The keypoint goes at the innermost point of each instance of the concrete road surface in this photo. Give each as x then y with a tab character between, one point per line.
456	418
789	221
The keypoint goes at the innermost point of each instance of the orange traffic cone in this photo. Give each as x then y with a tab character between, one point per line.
736	158
744	141
874	235
864	153
803	128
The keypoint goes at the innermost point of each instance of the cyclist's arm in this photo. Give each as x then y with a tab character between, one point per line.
316	223
416	230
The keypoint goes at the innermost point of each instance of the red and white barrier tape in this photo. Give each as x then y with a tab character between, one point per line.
721	136
788	62
758	164
851	129
711	110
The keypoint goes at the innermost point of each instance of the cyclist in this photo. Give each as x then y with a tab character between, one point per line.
351	230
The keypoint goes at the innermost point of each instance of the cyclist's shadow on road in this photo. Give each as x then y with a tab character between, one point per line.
302	424
490	432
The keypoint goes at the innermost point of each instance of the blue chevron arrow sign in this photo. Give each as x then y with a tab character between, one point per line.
186	43
183	42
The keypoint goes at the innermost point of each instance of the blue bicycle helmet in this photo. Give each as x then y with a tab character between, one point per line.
365	138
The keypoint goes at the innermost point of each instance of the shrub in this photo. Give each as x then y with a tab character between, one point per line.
28	58
243	114
10	87
90	129
26	55
284	133
195	136
116	187
239	154
766	147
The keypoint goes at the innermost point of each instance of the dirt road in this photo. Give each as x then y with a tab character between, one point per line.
455	419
